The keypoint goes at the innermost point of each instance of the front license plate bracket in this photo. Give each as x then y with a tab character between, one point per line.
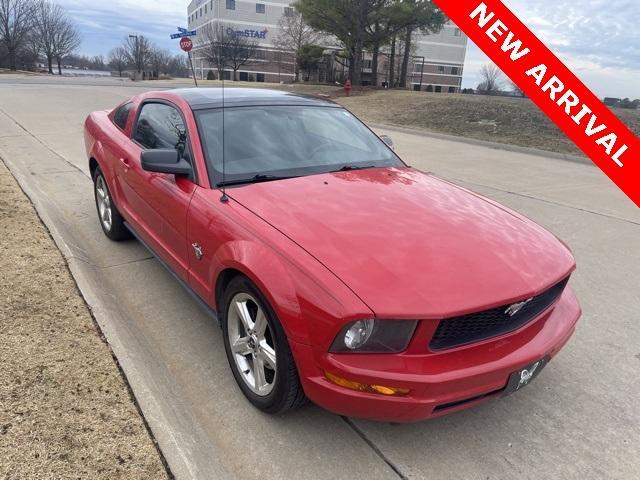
523	377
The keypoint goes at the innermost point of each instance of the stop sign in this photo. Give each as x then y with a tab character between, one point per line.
186	44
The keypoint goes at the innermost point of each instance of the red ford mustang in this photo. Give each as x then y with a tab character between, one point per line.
337	272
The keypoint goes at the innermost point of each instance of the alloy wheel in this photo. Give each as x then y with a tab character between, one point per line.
252	343
104	203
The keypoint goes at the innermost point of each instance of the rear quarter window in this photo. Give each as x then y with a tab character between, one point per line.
122	115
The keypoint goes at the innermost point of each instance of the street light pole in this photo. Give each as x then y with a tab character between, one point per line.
138	66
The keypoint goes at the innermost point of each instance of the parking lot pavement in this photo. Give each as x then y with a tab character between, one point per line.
579	419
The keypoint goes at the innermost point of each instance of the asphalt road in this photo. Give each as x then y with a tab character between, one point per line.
579	419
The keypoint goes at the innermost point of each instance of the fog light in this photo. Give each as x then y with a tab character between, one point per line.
358	334
364	387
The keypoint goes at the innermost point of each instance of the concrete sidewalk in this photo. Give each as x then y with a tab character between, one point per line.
578	420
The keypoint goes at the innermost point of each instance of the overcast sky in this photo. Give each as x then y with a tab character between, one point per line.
598	39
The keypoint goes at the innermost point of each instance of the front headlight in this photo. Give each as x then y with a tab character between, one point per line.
374	336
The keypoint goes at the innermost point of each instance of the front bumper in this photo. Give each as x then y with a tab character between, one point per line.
439	382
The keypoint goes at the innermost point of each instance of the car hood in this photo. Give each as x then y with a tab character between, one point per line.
409	244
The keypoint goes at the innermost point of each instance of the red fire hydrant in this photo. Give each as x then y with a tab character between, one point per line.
347	87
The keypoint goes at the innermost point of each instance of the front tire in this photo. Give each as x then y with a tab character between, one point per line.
111	221
258	350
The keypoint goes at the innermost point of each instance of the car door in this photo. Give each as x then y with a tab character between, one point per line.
159	201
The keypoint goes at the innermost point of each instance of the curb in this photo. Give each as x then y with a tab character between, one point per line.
174	456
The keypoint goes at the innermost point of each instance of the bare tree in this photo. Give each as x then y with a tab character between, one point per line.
214	50
98	62
66	40
240	51
16	22
517	90
31	51
226	49
118	60
138	49
48	19
159	60
492	81
179	66
295	34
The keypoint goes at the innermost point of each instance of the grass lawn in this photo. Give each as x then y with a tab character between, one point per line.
65	410
504	120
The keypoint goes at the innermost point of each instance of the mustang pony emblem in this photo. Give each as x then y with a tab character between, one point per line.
516	307
526	375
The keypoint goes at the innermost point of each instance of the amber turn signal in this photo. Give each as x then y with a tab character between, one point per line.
364	387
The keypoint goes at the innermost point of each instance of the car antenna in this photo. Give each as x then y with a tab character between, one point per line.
223	198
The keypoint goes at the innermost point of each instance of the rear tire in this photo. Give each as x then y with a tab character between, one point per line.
110	219
258	350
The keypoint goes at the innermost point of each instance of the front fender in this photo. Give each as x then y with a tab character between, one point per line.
302	305
307	298
269	273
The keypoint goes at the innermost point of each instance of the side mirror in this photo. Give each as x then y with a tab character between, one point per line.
165	161
387	139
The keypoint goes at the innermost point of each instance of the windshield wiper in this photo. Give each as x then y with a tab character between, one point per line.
255	179
347	168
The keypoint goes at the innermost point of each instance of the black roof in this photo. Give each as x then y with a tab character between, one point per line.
203	98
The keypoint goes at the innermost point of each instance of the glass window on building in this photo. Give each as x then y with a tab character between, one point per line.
457	32
454	71
438	89
260	8
244	76
205	8
260	54
260	77
231	4
452	89
440	69
288	11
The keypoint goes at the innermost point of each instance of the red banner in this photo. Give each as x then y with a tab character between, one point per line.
552	86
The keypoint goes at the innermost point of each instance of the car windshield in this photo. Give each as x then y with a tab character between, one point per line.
264	143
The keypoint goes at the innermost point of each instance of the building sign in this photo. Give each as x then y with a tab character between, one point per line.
261	34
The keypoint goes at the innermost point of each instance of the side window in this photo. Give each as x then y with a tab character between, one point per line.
122	115
161	126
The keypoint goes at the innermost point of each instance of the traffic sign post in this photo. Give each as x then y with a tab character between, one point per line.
192	33
186	44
